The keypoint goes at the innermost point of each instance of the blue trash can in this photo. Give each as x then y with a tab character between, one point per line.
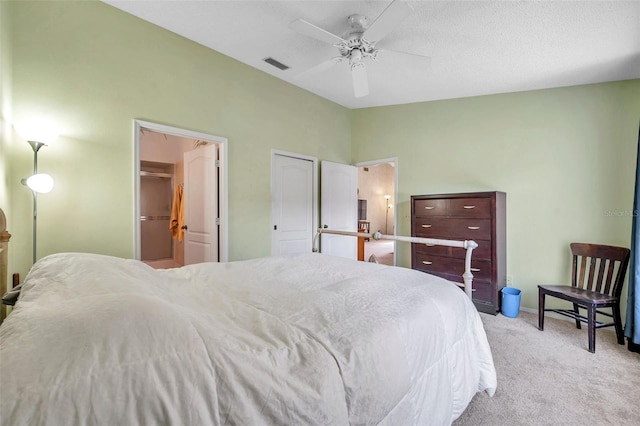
510	301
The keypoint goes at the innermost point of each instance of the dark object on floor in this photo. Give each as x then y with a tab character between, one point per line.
11	297
596	282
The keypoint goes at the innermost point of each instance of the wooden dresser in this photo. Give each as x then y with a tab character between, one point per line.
478	216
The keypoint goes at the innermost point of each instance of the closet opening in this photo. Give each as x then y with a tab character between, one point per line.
181	197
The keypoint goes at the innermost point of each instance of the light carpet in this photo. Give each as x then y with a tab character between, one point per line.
550	378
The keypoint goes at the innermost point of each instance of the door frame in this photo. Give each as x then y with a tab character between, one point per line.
223	193
316	206
393	160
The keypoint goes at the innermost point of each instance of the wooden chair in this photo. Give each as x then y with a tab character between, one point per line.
596	282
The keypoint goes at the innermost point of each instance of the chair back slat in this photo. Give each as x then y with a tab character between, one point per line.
610	270
591	284
583	266
609	259
599	281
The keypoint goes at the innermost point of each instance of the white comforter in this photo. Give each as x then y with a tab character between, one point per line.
292	340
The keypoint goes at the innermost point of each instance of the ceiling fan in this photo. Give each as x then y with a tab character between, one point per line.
359	43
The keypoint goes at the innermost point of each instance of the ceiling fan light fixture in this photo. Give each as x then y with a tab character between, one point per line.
359	79
355	56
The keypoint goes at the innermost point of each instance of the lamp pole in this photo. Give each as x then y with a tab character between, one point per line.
386	217
386	221
36	147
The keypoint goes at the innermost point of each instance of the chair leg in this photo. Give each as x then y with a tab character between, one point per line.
618	323
577	311
591	316
540	310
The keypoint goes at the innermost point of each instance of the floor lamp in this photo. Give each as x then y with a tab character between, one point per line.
386	218
37	182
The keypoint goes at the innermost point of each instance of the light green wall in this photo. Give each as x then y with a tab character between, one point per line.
565	157
5	104
92	69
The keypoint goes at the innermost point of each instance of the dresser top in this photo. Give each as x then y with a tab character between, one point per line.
461	195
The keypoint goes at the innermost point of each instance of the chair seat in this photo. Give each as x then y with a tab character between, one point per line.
577	295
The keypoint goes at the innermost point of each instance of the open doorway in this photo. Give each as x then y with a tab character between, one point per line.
181	196
376	206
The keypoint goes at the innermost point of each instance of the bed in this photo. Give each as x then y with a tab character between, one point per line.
297	339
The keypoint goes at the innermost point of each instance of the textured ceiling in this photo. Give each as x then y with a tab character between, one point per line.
477	47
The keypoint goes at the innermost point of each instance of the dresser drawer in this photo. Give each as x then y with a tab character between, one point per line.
470	207
430	207
482	291
428	249
481	269
465	229
483	251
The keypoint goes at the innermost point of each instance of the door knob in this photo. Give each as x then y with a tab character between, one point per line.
325	226
184	227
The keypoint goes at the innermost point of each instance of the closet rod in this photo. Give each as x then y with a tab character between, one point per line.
155	174
155	217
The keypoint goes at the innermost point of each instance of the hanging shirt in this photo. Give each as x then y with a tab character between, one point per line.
177	213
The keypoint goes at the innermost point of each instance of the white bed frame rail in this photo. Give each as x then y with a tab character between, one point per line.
468	245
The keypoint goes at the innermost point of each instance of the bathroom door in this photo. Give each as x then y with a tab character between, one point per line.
201	205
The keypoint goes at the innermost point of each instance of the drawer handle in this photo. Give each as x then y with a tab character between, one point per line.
429	207
426	262
468	207
473	228
475	269
426	226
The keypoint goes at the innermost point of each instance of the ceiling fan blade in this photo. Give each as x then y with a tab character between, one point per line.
388	20
320	67
383	54
360	80
305	28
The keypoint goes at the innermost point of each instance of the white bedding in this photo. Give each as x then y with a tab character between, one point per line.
289	340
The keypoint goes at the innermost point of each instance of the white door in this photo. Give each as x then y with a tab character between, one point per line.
292	181
200	205
339	208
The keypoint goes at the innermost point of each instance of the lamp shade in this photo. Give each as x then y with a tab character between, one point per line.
37	132
41	183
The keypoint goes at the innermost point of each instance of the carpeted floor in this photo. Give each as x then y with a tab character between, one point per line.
549	378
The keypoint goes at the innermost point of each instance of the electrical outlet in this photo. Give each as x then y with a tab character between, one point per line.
509	280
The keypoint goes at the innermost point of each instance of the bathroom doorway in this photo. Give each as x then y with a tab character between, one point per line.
181	197
376	207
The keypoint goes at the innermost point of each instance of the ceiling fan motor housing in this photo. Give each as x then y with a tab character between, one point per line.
354	47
